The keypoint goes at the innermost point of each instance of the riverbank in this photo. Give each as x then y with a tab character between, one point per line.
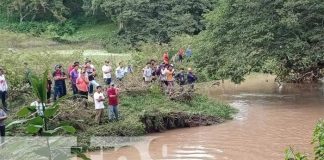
142	112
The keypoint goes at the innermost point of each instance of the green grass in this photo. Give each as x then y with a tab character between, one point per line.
94	33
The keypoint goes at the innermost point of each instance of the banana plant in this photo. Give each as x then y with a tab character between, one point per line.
38	124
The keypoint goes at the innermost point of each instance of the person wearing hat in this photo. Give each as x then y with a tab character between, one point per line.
59	82
192	78
112	94
3	90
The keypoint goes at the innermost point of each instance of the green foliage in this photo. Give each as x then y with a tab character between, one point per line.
243	35
157	21
40	122
318	141
50	29
290	155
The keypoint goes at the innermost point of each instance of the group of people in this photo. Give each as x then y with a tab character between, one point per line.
165	73
82	78
179	56
83	83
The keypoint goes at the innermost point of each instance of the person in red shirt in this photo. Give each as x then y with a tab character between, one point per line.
112	94
166	57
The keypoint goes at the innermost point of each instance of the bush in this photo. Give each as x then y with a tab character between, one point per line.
52	30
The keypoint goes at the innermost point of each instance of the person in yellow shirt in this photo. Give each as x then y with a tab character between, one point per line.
170	79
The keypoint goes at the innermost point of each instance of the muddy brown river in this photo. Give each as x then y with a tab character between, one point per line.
269	120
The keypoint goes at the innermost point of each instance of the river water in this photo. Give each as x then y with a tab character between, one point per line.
269	120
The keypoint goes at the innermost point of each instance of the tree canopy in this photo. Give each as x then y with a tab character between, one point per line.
287	36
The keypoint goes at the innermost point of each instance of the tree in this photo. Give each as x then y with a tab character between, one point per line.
153	20
242	35
29	10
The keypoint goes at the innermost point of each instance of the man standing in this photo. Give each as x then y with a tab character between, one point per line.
91	71
170	79
166	57
74	74
148	73
59	82
99	104
3	90
3	116
112	94
181	78
192	78
106	69
120	72
188	53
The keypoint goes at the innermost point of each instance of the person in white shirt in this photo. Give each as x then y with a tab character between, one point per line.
99	99
3	90
148	73
106	69
39	107
120	72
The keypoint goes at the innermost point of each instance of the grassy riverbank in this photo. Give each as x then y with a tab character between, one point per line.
143	112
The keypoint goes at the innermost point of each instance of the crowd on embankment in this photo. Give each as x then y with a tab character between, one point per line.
82	79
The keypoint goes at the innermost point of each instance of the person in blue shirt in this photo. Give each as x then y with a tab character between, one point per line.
188	53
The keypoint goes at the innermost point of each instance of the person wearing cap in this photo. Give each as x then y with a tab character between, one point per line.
3	90
99	99
74	74
59	82
192	78
112	94
107	69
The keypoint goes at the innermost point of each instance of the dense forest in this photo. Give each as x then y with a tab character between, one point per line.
231	38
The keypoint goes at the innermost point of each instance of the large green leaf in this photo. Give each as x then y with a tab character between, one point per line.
24	112
50	112
32	129
36	121
69	129
16	122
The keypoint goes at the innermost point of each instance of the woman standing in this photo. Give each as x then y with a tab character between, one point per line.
82	84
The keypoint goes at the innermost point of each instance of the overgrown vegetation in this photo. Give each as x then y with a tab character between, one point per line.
243	36
318	142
